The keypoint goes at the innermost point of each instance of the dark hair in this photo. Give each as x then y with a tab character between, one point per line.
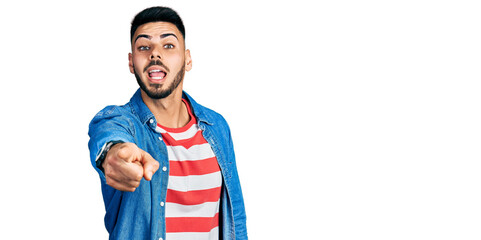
157	14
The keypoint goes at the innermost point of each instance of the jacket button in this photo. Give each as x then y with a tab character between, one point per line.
162	204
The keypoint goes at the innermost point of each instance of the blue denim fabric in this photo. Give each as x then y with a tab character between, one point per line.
139	214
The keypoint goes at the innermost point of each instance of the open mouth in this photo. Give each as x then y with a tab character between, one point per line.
157	74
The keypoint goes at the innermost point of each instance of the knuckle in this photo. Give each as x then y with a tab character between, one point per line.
109	181
107	169
138	176
110	161
109	172
123	153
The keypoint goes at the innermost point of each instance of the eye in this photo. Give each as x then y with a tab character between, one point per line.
143	48
168	46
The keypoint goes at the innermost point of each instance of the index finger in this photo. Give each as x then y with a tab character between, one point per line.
150	165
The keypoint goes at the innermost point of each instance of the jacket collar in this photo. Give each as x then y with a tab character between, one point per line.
199	111
144	113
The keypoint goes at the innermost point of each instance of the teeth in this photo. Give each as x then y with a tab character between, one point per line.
156	71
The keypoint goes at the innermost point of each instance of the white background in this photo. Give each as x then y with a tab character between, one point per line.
351	119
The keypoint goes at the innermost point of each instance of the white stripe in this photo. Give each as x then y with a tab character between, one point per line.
189	133
207	209
212	235
196	152
160	130
195	182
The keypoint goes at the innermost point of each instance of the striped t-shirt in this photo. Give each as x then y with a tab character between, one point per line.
194	187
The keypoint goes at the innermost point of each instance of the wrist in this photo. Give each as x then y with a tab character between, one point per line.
103	154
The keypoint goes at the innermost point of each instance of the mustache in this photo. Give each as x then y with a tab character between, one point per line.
156	63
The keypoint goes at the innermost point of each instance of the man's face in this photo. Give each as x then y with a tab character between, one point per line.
159	59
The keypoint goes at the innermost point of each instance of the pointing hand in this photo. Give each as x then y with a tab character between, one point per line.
126	164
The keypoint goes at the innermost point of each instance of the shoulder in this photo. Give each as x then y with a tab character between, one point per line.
210	116
213	114
113	112
215	122
205	114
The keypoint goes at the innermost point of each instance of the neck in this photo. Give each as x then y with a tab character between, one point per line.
169	111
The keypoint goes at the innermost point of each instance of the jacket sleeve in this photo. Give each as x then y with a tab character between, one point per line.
236	196
110	124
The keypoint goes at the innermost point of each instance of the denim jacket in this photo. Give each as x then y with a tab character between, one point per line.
141	214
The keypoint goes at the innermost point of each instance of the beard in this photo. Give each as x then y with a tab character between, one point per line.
155	90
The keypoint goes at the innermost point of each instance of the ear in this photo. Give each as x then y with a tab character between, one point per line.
188	60
131	63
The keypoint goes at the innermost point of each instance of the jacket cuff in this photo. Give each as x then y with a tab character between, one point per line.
103	153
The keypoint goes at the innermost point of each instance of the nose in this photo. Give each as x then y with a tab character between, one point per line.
155	54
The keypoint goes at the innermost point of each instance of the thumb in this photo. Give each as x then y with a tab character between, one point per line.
150	165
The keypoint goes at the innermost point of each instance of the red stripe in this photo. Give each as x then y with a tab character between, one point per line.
197	139
191	224
193	197
199	167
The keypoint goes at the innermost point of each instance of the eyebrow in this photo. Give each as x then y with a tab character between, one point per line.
168	34
150	37
142	36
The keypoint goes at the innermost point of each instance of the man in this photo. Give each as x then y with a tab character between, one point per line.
166	163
